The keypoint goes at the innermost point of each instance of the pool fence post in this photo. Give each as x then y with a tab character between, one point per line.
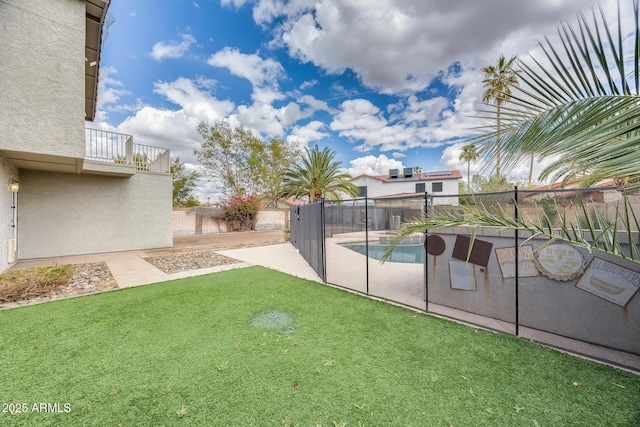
366	238
426	256
516	250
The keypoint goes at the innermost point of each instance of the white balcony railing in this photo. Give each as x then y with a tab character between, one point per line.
118	148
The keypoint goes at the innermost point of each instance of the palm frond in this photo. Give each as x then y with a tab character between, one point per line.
591	230
582	107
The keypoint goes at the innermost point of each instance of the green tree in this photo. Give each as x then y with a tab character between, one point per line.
492	184
318	176
498	81
242	161
184	182
469	154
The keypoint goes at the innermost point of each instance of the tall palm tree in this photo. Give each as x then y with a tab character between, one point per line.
318	176
581	108
498	81
469	154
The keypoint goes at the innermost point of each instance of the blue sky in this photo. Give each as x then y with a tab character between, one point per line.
384	83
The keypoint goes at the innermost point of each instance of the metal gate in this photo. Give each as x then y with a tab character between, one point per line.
307	235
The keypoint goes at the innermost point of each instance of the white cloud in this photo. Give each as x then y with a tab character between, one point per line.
172	48
372	165
234	3
194	98
249	66
262	73
173	128
311	132
308	84
361	121
399	45
261	117
398	155
110	90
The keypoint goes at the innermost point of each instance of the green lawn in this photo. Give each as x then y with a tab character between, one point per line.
188	352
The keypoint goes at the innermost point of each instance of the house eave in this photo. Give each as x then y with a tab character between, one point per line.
96	12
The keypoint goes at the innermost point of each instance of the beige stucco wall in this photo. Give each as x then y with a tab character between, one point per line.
67	214
184	222
42	83
7	173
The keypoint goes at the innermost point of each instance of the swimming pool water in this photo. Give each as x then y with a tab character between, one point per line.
413	254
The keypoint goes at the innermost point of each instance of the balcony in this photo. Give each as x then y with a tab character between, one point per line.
111	153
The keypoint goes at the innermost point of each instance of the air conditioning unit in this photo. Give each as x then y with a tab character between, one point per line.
11	251
408	172
393	173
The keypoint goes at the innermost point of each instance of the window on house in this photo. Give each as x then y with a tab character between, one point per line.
420	187
436	187
362	191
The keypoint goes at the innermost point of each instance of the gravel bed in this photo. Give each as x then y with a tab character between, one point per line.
185	261
87	279
95	277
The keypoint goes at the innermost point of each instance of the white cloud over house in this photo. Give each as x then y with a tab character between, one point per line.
172	49
372	165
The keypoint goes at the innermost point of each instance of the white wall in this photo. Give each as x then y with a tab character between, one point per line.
378	188
42	76
7	173
66	214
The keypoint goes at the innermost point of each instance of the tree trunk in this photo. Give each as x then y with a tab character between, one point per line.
531	170
498	141
469	175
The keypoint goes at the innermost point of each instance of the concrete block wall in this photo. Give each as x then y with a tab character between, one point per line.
185	222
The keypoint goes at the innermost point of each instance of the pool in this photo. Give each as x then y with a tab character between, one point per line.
412	254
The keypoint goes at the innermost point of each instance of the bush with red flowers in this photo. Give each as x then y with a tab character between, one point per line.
241	212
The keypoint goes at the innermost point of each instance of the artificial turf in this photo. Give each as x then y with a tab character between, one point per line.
254	347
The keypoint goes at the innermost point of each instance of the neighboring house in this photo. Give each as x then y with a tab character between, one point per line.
397	183
65	190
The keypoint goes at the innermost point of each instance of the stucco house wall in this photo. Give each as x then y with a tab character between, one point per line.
42	85
7	173
377	187
67	214
49	63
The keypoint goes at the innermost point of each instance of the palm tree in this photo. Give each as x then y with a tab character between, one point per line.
318	176
498	81
583	110
469	154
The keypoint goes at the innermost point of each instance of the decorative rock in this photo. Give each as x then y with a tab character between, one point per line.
186	261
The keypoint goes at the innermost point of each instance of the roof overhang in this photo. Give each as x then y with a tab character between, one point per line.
96	11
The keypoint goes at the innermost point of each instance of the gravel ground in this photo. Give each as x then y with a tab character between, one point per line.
185	261
95	277
87	279
187	253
